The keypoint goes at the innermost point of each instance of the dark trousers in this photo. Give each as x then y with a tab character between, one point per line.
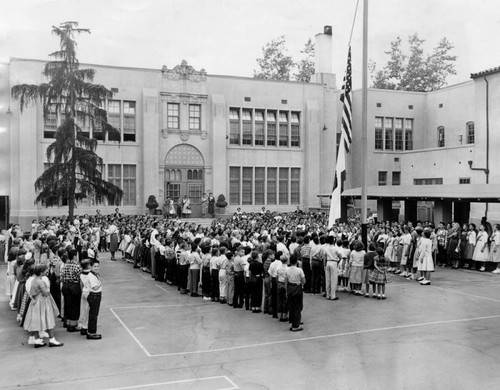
72	293
274	297
183	276
306	267
206	285
239	289
295	304
160	267
256	291
94	301
55	289
282	302
317	268
268	306
215	285
171	266
247	292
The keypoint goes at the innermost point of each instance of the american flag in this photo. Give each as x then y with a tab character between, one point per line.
345	144
346	98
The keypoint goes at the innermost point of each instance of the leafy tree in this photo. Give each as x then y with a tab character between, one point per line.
75	170
275	64
305	67
415	71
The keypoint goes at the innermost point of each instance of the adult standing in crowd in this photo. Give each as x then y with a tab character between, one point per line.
211	205
204	205
295	279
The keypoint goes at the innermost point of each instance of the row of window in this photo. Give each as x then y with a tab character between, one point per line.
393	133
396	179
174	116
252	127
470	136
123	176
176	174
121	115
264	186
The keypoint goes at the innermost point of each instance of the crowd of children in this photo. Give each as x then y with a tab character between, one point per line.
257	261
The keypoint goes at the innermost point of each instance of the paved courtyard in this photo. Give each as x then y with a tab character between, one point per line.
442	336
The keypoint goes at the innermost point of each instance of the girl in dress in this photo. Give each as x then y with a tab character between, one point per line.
42	310
379	274
425	259
481	251
186	206
471	244
495	248
356	260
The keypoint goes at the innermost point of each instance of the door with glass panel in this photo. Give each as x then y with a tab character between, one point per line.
185	181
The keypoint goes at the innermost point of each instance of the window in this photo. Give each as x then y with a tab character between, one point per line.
283	186
271	185
428	181
173	115
382	178
470	133
115	174
97	132
396	178
408	134
295	185
129	185
388	122
114	118
246	116
283	129
259	128
259	185
173	175
379	141
464	180
194	192
234	126
440	136
247	185
50	124
271	128
195	174
295	129
194	117
234	185
398	134
128	121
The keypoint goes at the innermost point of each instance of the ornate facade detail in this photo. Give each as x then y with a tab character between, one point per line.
184	72
184	155
164	133
203	134
184	136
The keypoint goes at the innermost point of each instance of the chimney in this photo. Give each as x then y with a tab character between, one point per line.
323	55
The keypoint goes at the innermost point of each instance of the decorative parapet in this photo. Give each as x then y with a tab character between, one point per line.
184	72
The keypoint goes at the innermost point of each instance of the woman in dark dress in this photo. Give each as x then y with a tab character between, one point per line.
211	204
256	269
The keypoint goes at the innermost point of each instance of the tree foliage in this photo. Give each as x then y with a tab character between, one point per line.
75	170
276	64
415	71
305	67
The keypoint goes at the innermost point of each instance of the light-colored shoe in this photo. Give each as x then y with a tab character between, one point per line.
497	271
31	340
425	282
482	269
420	279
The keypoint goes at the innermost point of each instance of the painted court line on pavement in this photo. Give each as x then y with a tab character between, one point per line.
233	385
131	334
463	293
444	322
158	306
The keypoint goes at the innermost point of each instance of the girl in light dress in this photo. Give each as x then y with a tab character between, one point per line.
356	262
481	251
42	311
495	248
471	244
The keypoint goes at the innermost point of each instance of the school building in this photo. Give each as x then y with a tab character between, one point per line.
264	143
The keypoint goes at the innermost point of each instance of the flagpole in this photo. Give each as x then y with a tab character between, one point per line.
364	127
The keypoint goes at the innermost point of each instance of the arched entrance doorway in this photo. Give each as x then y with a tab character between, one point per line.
184	175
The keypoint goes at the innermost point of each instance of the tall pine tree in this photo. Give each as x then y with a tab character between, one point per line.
75	170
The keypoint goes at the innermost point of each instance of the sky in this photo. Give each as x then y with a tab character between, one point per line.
225	37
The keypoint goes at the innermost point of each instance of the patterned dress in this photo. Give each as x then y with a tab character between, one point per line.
380	277
42	311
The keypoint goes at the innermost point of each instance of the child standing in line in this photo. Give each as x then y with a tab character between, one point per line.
230	278
94	300
356	259
214	272
379	274
84	306
281	278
